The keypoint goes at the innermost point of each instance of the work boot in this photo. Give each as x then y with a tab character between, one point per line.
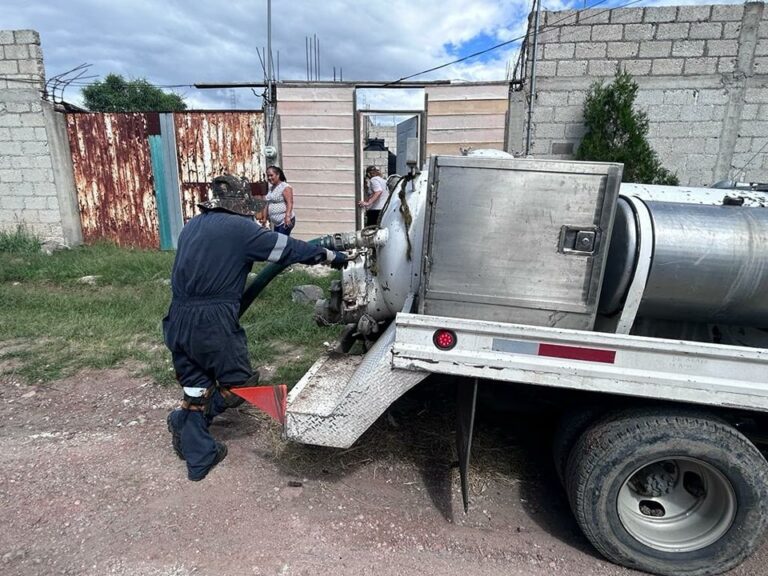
175	436
221	453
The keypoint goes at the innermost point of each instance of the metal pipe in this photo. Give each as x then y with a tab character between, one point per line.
533	77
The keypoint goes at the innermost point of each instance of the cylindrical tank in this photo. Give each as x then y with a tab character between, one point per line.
710	263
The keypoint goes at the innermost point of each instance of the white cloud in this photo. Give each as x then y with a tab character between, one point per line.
185	42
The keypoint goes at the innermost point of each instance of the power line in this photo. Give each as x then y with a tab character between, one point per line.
508	42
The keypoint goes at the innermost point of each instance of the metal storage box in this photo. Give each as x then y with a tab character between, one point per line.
520	241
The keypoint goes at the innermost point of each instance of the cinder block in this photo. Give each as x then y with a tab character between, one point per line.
53	203
561	18
549	130
719	97
696	112
705	129
34	147
722	47
26	37
660	14
700	66
682	97
762	48
673	31
759	144
571	67
731	30
576	34
667	66
760	65
655	49
664	113
762	31
623	50
626	15
750	111
712	146
705	31
637	67
5	134
35	203
541	146
563	148
46	189
33	68
575	130
553	98
546	68
559	51
590	50
10	148
726	13
18	107
756	96
594	16
49	216
6	36
650	98
726	65
603	67
38	175
9	67
11	202
566	114
577	98
753	129
693	13
607	32
11	175
16	52
32	120
23	134
639	31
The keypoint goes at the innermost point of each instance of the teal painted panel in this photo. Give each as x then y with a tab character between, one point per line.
161	193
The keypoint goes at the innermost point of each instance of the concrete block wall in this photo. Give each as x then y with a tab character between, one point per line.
702	73
380	159
388	133
34	154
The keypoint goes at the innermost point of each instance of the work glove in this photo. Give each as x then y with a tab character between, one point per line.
336	260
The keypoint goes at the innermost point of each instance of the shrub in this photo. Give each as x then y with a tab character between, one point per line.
617	132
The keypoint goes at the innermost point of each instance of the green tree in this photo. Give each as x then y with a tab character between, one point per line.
616	132
116	94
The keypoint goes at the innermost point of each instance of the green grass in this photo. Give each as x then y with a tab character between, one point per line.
52	325
19	242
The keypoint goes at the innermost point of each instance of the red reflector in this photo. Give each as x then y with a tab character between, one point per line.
577	353
444	339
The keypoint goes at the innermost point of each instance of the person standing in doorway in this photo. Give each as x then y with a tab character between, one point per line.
375	197
280	201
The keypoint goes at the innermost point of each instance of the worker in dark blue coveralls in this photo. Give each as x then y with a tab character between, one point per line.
216	250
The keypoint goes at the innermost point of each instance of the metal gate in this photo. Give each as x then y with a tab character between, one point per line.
139	175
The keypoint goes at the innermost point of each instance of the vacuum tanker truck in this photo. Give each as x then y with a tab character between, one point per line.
644	308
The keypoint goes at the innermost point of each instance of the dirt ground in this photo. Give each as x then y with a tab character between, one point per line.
89	485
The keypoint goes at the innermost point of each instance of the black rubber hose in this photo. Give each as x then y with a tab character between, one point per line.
269	273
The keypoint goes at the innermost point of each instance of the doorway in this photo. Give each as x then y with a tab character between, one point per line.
389	122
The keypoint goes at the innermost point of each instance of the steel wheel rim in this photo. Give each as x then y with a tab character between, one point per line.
677	504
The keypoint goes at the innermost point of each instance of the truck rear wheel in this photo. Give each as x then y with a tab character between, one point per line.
667	491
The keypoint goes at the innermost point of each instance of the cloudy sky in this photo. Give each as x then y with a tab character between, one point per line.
182	42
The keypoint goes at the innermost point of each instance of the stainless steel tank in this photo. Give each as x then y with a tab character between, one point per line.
710	263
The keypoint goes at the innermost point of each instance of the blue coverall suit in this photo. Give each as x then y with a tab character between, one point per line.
216	250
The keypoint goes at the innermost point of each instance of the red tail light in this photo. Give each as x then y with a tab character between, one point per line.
444	339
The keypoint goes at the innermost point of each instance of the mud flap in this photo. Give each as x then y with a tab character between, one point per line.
466	402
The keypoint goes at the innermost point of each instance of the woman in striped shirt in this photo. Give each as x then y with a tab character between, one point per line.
280	201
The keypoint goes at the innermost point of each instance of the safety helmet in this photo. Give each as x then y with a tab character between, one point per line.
232	194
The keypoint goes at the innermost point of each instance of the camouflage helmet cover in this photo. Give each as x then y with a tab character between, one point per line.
232	194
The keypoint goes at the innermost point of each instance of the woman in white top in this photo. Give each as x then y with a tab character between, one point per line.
280	201
376	196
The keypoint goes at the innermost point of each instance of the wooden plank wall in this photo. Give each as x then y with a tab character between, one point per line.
466	116
318	154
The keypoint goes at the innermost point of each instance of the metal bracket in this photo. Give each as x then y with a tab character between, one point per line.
579	240
466	403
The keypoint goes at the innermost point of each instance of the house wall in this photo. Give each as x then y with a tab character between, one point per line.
702	73
36	183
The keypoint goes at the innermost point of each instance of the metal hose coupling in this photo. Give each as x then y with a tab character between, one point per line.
369	237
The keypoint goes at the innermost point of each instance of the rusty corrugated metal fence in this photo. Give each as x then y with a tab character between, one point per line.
136	180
